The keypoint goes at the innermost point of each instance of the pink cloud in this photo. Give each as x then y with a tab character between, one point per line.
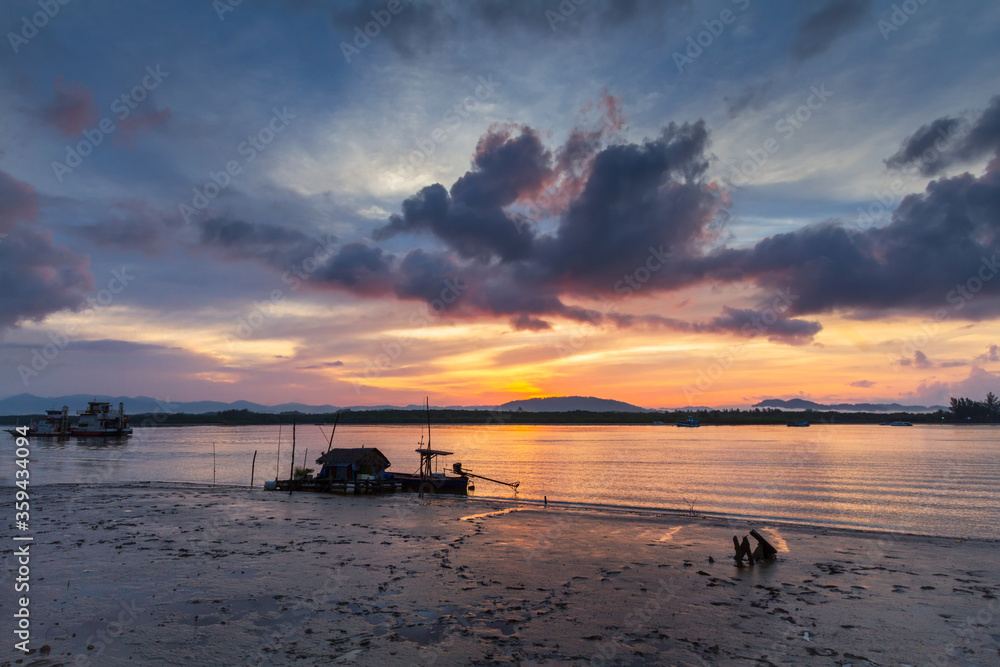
140	121
72	110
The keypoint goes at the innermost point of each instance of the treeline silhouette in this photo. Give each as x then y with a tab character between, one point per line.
963	411
981	412
731	417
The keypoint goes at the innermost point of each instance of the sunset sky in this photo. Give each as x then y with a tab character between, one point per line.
668	203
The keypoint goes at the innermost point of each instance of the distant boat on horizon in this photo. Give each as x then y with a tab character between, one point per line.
798	423
690	422
900	423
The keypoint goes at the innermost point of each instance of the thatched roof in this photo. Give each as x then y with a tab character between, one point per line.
361	455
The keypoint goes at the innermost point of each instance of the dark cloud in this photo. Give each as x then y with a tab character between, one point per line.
322	366
38	277
130	225
947	141
752	97
471	218
525	322
752	323
863	384
642	219
360	268
938	254
72	110
819	30
282	247
117	346
18	202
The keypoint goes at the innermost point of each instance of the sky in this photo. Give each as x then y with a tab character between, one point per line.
669	203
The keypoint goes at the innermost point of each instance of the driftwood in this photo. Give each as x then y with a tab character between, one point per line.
764	550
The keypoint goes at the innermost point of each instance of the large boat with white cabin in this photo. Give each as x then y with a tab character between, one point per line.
98	421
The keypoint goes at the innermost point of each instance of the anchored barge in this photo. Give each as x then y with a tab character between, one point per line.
97	421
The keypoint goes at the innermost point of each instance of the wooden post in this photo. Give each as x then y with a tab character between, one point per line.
213	463
291	473
252	466
745	545
739	551
769	552
277	465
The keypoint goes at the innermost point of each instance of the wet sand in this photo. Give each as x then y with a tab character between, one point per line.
192	575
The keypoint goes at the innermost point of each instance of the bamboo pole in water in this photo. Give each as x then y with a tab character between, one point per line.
213	463
253	465
291	473
277	466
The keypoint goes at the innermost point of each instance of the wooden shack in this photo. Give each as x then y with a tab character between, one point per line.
354	464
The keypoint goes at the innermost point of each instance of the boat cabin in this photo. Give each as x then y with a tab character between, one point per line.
352	464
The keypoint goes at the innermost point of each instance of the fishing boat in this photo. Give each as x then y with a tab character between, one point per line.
690	422
99	421
364	470
432	480
897	423
798	423
55	424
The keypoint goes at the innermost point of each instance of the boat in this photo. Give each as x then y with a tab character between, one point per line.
657	423
364	470
55	424
690	422
798	423
898	423
99	421
428	479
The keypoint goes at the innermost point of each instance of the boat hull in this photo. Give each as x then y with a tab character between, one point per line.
458	486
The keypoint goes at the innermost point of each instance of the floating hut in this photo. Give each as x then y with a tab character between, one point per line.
354	464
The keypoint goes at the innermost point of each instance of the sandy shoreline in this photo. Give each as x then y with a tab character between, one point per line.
190	575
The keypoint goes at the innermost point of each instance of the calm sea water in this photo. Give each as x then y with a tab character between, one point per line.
937	480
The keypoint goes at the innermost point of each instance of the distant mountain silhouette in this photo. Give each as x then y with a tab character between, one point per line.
802	404
569	404
27	404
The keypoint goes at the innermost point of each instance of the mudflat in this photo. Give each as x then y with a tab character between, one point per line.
177	574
